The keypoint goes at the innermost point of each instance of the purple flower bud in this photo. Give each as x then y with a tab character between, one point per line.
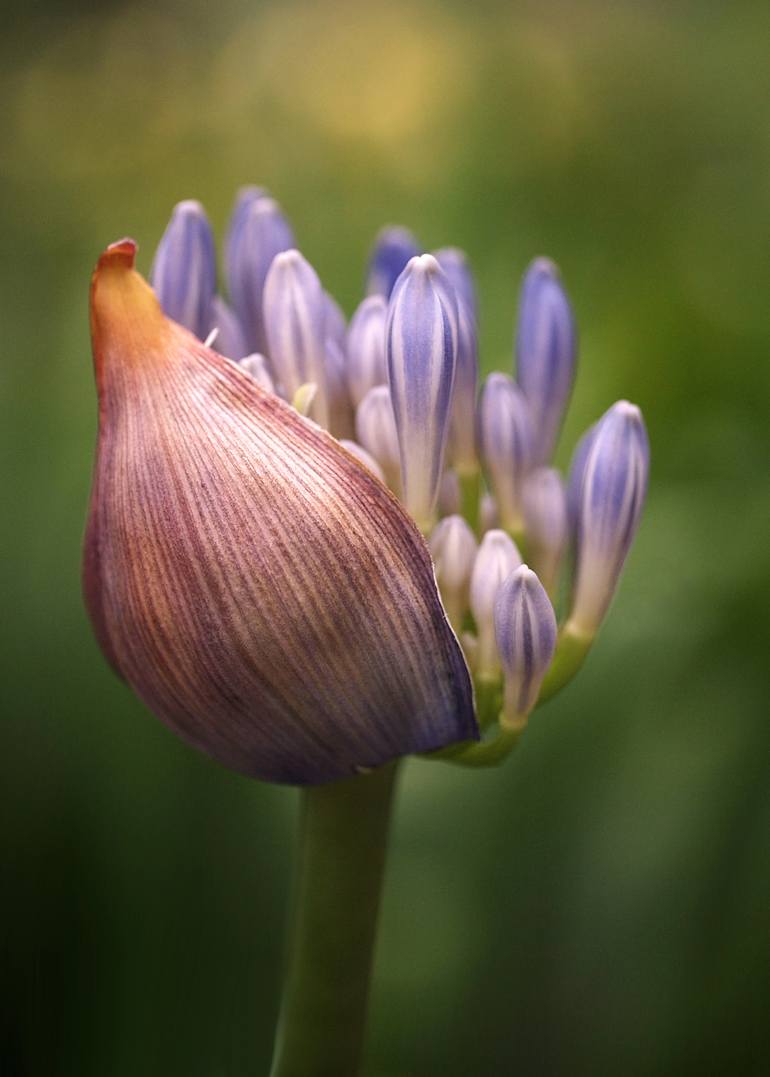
453	547
363	457
497	558
546	348
256	365
505	443
366	348
393	248
575	482
612	498
336	326
450	497
545	519
462	423
525	629
229	340
341	423
455	264
294	320
421	348
184	272
376	432
489	516
258	232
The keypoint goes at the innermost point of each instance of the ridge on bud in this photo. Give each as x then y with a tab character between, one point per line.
259	590
421	350
546	352
184	270
525	630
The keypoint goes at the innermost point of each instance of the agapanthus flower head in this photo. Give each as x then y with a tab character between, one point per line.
247	569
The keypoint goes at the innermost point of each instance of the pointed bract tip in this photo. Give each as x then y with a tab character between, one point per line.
119	255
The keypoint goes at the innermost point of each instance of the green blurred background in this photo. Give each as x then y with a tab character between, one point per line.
602	904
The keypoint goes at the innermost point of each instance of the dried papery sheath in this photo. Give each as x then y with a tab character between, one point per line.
505	445
258	232
421	350
393	248
229	340
545	519
184	272
295	324
454	547
455	264
364	457
341	416
262	593
376	432
612	497
575	480
257	367
546	350
366	363
498	556
525	629
461	449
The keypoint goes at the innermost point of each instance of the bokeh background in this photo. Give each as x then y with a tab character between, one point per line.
602	904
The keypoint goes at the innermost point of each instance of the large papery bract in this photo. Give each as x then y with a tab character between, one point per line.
260	590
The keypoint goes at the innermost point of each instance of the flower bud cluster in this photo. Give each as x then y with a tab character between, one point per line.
398	389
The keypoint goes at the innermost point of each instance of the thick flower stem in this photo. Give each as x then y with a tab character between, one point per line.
343	840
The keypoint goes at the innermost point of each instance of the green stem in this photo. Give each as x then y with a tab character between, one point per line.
343	839
571	651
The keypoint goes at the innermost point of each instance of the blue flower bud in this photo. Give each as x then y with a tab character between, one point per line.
525	629
363	457
366	348
497	558
505	444
453	547
421	349
376	432
545	520
184	272
575	481
258	232
256	365
611	502
546	348
336	325
455	264
229	340
461	448
294	320
393	248
450	495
